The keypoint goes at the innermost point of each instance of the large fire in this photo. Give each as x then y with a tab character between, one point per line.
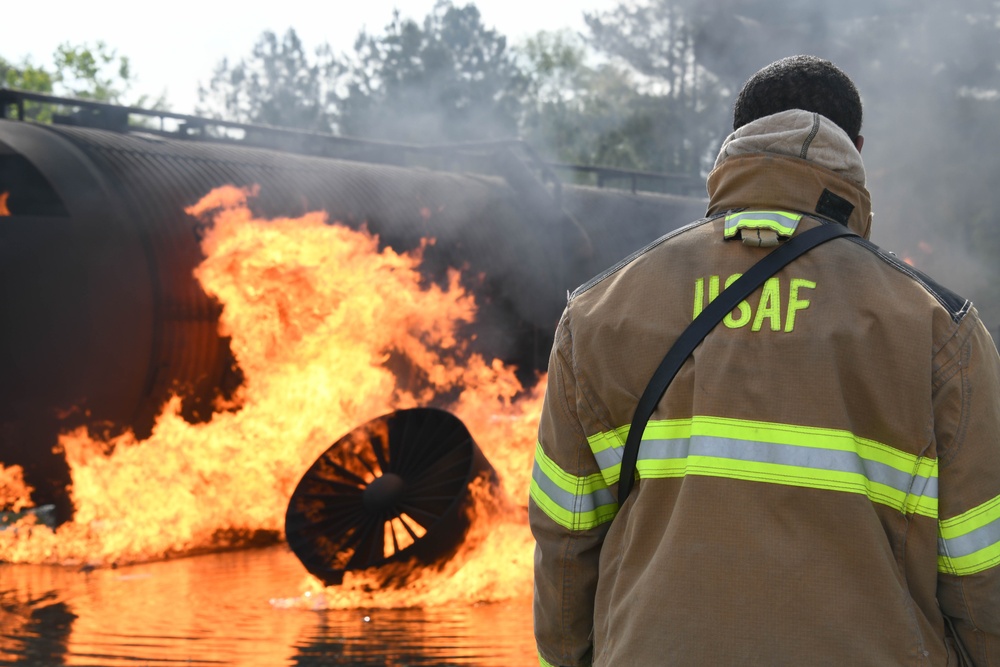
314	311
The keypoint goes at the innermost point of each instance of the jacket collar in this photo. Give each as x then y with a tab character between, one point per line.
794	160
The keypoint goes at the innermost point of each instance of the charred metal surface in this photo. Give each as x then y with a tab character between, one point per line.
393	490
102	319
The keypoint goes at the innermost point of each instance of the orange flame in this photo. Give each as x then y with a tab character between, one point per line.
314	311
4	211
15	495
925	249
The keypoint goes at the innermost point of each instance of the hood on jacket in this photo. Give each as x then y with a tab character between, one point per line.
802	134
793	160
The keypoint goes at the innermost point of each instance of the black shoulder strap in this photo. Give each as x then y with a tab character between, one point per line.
699	328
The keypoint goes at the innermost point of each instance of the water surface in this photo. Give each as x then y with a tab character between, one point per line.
216	610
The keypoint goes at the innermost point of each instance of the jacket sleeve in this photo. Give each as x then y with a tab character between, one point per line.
967	428
570	509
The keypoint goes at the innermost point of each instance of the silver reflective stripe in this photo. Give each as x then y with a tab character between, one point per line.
980	538
785	225
791	455
570	502
612	456
766	452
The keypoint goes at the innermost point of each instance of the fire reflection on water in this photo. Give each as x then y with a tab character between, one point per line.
218	609
314	312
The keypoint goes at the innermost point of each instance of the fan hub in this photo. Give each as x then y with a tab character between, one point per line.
383	492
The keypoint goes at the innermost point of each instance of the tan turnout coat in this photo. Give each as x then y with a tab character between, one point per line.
820	484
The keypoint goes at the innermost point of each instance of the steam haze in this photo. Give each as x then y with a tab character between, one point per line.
929	80
927	73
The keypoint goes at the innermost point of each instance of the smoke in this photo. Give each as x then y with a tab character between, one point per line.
447	78
653	90
927	74
927	149
928	79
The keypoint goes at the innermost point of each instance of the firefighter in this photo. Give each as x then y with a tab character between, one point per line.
820	483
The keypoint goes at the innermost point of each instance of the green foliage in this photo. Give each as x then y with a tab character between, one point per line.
81	71
446	79
675	118
92	73
449	79
26	76
279	84
576	111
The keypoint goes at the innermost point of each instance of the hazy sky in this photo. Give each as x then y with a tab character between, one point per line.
175	45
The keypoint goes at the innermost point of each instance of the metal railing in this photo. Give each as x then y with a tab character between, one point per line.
467	156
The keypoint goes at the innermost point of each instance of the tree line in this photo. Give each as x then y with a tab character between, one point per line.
648	85
450	78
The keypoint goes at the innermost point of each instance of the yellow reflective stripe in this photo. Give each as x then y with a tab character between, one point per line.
609	439
786	454
970	542
564	480
781	222
607	448
576	503
543	662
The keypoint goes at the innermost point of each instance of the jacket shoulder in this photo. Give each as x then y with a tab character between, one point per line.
601	277
957	306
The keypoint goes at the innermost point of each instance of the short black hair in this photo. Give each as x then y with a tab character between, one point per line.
801	82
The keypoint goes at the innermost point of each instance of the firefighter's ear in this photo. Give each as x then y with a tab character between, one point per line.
859	142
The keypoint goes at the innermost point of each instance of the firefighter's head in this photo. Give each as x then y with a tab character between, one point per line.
801	82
